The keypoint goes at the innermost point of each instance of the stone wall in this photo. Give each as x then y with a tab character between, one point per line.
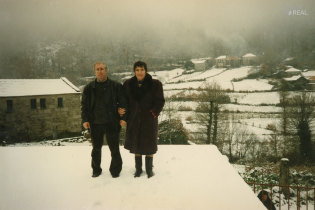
26	124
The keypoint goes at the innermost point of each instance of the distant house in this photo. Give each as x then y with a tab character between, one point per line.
293	71
227	61
221	61
311	80
311	83
201	64
249	59
297	82
32	109
234	61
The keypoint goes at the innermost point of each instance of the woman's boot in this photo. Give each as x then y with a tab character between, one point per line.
138	160
148	166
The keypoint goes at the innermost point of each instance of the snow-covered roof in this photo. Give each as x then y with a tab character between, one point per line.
249	55
309	73
196	61
293	70
33	87
288	59
221	57
294	78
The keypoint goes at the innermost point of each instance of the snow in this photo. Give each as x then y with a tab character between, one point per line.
224	79
248	108
196	61
293	78
292	70
186	85
252	84
164	76
258	98
207	74
32	87
249	55
60	178
184	77
221	57
288	59
220	76
309	74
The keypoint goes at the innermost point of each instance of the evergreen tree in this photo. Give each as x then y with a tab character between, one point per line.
172	132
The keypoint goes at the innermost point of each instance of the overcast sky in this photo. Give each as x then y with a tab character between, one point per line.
155	20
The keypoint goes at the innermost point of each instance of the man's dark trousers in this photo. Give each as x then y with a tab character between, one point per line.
112	136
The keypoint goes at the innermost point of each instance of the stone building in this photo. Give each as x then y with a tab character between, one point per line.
227	61
249	59
34	109
201	64
221	61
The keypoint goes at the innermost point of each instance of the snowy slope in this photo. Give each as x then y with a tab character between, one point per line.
187	177
164	76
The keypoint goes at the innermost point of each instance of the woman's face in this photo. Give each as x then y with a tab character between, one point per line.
140	73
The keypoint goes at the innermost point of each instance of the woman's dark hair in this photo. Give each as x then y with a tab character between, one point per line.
140	64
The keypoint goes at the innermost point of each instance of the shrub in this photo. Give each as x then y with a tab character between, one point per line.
172	132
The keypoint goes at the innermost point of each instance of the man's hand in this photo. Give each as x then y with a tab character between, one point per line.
121	111
86	125
123	123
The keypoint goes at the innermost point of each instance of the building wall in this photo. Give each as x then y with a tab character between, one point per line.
200	66
24	123
249	61
220	63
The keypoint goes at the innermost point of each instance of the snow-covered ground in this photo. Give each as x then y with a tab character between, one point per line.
164	76
186	177
252	84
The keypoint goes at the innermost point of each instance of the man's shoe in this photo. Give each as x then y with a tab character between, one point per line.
96	174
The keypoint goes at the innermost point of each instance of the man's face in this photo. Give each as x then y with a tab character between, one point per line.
264	197
140	73
100	72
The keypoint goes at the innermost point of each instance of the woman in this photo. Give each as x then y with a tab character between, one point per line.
146	101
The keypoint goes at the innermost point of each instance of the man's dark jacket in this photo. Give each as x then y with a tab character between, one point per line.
117	99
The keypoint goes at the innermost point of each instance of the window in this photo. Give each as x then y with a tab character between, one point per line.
60	102
43	103
33	103
9	106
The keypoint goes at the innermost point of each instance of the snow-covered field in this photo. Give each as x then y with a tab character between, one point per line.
186	177
251	98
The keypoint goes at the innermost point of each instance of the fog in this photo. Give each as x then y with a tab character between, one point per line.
159	27
164	21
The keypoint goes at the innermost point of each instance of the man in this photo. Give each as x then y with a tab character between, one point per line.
101	99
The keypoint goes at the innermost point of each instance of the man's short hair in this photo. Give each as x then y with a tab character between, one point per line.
140	64
98	63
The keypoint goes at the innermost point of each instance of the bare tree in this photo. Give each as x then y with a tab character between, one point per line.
210	99
284	124
302	113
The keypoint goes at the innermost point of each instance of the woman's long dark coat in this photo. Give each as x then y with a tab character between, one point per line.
145	104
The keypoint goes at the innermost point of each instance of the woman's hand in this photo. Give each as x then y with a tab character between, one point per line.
121	111
123	123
